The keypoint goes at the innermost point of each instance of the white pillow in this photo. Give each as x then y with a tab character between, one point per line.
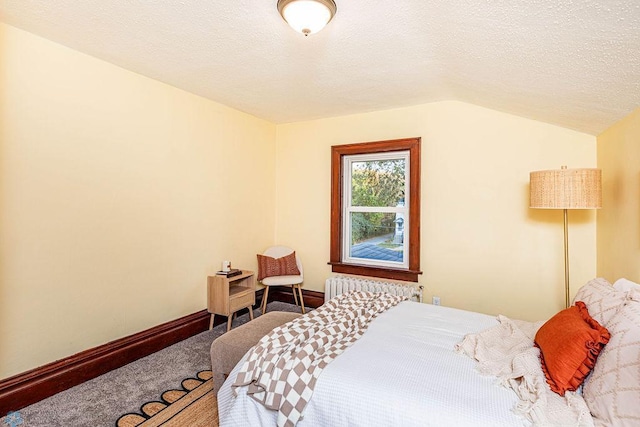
612	392
625	285
602	300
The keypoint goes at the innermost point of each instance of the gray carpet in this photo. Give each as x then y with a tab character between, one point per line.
101	401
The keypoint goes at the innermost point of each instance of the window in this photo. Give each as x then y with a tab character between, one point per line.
375	209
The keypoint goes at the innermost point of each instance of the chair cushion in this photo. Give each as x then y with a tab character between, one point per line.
281	280
283	266
228	349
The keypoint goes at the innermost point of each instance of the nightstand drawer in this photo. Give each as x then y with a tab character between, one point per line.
242	301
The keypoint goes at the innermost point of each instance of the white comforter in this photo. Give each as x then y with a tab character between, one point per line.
402	372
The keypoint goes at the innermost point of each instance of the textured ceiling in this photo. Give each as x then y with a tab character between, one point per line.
572	63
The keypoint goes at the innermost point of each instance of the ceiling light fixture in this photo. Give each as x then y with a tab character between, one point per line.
307	16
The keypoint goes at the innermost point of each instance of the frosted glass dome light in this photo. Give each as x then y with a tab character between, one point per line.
307	16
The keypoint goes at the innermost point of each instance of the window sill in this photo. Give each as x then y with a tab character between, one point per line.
380	272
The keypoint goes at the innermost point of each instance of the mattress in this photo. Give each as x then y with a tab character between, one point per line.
402	372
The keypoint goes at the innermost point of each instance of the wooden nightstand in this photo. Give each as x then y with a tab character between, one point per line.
226	295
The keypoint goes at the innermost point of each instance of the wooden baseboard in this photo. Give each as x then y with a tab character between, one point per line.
32	386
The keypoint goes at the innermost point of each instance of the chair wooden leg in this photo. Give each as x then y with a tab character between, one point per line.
295	296
265	296
301	300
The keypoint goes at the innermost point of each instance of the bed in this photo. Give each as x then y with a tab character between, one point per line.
403	371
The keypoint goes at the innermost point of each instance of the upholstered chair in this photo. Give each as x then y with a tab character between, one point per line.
276	265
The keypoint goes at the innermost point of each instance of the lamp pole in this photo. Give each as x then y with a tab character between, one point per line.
566	258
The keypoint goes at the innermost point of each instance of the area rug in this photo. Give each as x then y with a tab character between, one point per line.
194	405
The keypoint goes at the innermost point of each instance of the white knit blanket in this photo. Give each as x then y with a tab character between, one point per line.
506	351
281	370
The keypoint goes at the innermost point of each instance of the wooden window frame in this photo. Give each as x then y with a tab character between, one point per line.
337	153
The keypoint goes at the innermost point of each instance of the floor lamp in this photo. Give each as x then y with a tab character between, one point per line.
566	189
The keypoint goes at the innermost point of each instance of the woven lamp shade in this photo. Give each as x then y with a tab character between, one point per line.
566	189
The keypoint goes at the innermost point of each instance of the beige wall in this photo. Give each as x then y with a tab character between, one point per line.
118	196
619	219
482	249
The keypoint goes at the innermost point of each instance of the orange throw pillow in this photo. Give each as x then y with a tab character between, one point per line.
284	266
569	345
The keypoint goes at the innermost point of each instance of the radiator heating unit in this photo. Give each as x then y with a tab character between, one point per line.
337	285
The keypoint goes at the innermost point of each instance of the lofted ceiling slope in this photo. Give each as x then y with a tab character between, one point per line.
571	63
